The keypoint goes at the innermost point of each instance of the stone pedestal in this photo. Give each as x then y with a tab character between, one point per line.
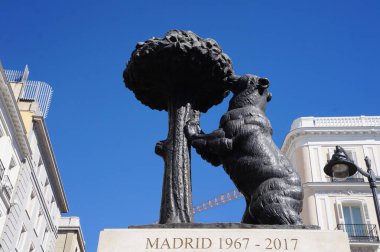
139	239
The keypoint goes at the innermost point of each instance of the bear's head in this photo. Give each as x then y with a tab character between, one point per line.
249	90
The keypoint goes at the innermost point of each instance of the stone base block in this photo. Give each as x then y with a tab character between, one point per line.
218	240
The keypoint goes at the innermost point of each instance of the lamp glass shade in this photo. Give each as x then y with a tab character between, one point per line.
340	171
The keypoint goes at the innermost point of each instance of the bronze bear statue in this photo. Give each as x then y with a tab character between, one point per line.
244	145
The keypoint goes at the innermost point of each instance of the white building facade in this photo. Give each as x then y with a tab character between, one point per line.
32	196
329	203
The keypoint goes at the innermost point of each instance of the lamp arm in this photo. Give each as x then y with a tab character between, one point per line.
369	170
363	172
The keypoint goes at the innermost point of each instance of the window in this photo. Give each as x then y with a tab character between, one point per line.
352	215
38	225
21	239
350	153
7	186
46	187
31	248
12	163
40	162
2	170
32	203
52	204
46	182
40	165
357	176
354	221
45	238
352	211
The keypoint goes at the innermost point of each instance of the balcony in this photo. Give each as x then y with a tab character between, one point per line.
6	187
349	179
360	232
38	91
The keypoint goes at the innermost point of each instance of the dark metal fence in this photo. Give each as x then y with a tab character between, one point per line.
360	232
349	179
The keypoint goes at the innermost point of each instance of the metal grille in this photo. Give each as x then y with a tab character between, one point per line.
360	232
13	75
218	200
38	91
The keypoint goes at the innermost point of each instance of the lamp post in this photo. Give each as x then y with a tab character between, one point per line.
341	166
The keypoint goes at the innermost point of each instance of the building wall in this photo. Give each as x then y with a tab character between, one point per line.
309	145
30	213
67	242
11	167
310	161
70	238
28	223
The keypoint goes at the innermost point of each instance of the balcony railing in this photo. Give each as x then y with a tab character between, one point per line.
360	232
13	75
38	91
348	180
6	187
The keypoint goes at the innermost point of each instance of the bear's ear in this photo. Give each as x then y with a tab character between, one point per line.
263	83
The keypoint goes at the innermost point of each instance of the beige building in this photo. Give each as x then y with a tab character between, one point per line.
70	237
330	203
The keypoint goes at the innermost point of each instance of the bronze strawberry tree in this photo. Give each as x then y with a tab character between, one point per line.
184	75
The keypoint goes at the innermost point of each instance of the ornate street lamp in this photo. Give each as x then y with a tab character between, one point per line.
341	166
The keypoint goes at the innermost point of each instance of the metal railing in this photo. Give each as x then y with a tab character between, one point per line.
13	75
347	121
360	232
7	186
349	179
38	91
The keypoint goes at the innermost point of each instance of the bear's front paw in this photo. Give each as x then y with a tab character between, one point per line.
192	128
160	148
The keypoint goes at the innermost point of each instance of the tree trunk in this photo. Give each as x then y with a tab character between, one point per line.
176	201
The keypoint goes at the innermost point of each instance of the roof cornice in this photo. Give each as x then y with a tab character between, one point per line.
12	107
327	131
339	186
51	167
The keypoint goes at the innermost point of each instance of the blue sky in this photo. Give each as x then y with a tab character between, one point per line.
322	58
